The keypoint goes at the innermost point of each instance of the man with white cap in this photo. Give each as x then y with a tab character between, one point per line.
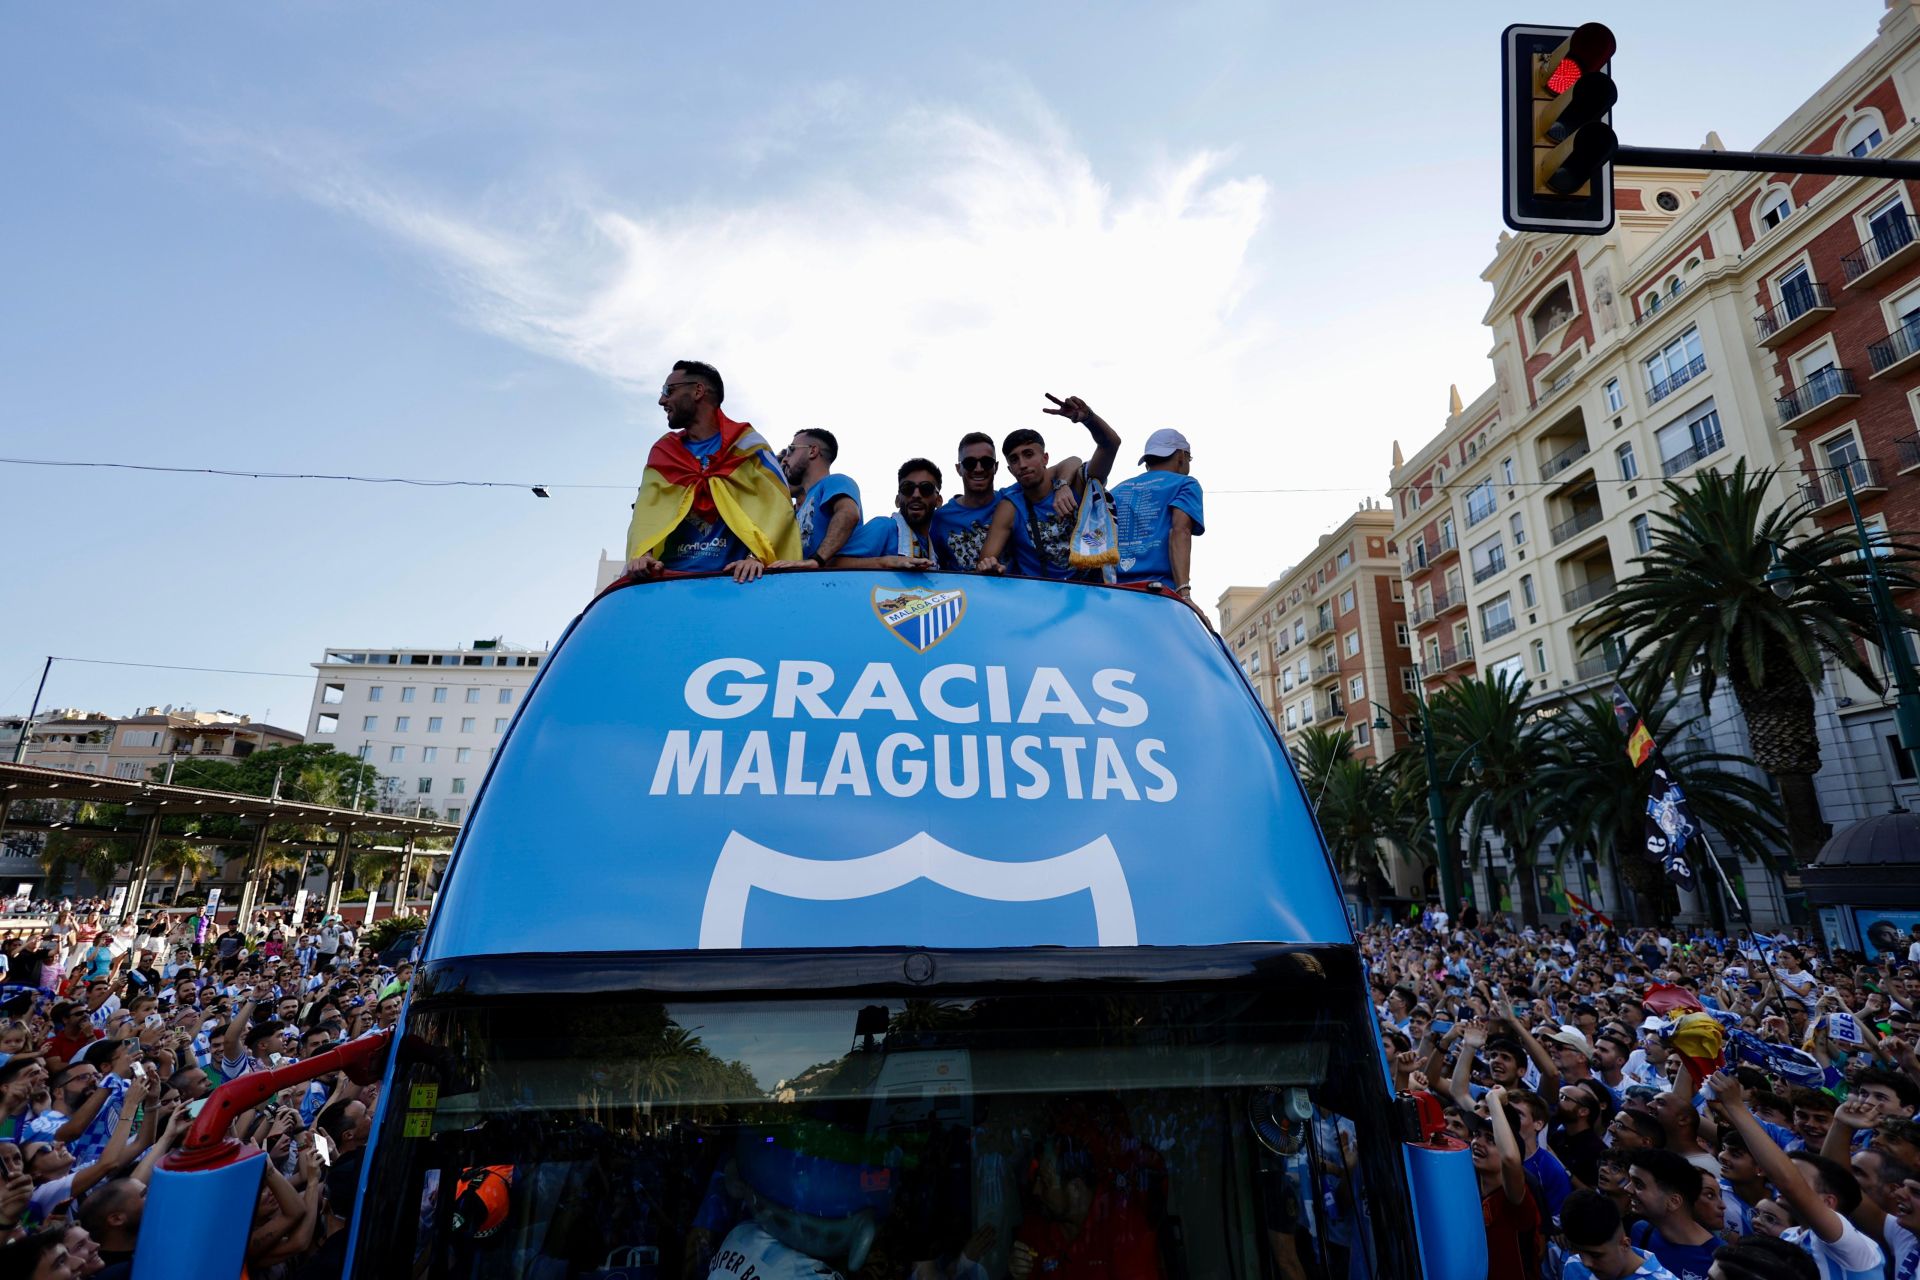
1572	1055
1158	515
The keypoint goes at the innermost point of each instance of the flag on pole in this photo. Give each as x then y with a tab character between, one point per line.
1670	826
1640	744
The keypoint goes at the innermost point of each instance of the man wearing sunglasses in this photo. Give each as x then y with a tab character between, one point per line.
713	497
960	527
903	540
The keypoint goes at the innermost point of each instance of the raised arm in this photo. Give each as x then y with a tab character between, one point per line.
1513	1174
1537	1052
1472	1036
1106	446
1731	1097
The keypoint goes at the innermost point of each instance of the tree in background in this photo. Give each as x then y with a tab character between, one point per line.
1702	599
1486	737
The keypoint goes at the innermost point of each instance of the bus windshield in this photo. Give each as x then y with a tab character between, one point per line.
1162	1129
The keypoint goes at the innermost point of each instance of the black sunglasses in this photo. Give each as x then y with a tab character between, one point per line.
925	488
979	464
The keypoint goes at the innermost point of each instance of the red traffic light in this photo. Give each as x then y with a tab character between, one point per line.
1590	47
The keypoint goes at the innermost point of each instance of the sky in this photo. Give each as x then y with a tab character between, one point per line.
466	241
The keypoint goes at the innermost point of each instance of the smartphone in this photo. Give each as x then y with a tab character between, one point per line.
196	1107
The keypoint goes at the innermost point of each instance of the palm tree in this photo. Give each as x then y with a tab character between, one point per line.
1485	735
1703	598
185	860
1363	808
1316	752
1597	796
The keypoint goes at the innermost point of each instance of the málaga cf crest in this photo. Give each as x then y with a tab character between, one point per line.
920	616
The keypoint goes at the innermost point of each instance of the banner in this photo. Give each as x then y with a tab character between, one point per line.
373	900
299	907
1670	826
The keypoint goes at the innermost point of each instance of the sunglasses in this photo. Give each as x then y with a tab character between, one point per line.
666	388
925	488
978	464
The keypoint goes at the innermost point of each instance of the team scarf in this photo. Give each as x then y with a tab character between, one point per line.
908	543
732	486
1096	536
1782	1060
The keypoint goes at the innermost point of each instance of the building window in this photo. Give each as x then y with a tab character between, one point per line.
406	694
1539	648
1489	558
473	695
1286	680
1357	689
506	697
365	752
333	694
1862	136
453	813
402	724
328	723
1496	616
1293	720
1343	561
1877	535
1629	465
374	693
1642	535
1347	600
1400	633
1514	668
1352	642
1775	208
434	723
500	725
458	786
1675	365
1395	589
396	755
462	755
1526	590
1362	733
426	786
466	724
1692	438
440	695
1480	502
1409	678
1616	399
1519	528
1300	631
1667	201
369	724
429	754
1506	470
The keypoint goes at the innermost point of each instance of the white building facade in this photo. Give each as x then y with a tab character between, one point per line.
429	720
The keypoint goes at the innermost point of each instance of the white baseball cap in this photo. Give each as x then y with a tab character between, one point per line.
1164	443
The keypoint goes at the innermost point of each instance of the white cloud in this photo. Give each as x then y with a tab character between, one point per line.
933	274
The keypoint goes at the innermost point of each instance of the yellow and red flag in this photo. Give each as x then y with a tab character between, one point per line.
1640	743
739	485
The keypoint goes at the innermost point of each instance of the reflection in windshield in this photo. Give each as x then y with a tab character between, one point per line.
1152	1134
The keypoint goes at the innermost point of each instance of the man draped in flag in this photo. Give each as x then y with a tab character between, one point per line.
1670	824
714	497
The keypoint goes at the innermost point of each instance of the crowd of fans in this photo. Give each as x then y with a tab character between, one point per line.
113	1037
1666	1103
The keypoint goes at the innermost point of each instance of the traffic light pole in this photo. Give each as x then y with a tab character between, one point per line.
1766	162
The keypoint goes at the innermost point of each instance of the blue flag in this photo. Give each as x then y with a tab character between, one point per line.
1670	827
1782	1060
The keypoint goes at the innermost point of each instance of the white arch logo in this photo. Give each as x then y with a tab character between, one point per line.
746	865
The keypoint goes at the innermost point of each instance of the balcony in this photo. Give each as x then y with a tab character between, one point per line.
1319	627
1892	245
1897	353
1593	668
1325	671
1565	458
1677	379
1583	519
1451	657
1329	708
1448	602
1419	616
1824	488
1494	630
1497	564
1588	592
1906	453
1800	306
1709	444
1821	393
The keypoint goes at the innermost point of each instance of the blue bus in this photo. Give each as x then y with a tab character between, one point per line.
895	925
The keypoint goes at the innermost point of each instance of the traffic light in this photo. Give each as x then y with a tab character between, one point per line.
1557	143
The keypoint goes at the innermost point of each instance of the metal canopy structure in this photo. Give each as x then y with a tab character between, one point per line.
153	801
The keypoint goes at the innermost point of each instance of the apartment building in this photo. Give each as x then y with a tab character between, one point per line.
1726	316
134	746
1326	643
428	719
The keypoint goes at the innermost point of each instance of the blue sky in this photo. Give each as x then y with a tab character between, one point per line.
465	241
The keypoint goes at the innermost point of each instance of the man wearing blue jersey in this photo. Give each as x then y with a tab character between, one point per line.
1158	515
960	526
904	539
829	509
1036	516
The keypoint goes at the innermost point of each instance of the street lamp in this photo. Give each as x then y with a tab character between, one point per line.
1436	807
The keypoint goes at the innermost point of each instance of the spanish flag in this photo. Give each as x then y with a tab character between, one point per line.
1640	744
734	486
